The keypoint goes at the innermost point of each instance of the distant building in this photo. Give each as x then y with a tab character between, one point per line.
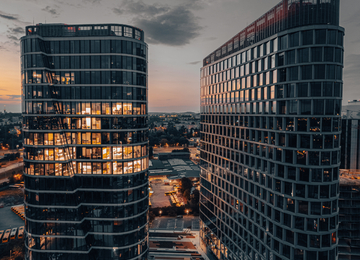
173	168
350	136
350	144
349	215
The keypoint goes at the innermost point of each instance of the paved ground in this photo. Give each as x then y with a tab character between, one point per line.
6	171
158	199
9	219
178	224
11	197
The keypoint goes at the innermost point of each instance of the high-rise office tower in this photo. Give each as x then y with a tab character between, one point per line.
270	125
84	101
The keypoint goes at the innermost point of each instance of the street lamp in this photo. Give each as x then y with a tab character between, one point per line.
160	212
187	212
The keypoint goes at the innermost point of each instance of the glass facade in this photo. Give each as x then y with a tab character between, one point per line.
285	15
350	154
270	146
84	104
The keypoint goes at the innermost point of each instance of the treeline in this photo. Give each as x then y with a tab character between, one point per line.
171	136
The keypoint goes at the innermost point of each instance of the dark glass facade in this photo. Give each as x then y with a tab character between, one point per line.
84	102
285	15
270	146
350	147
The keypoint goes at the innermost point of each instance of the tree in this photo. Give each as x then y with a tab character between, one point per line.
151	216
164	141
183	140
195	197
185	185
186	194
151	151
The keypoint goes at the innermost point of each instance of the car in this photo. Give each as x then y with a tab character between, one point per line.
180	216
6	236
21	232
1	234
13	233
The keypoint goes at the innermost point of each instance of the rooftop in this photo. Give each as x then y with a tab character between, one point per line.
285	15
81	30
174	168
349	177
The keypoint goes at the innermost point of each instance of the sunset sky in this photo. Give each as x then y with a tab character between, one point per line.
180	33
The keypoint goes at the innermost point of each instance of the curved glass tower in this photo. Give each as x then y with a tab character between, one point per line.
270	112
84	101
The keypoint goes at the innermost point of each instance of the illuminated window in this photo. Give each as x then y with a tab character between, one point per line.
96	138
127	108
117	168
117	108
128	152
106	153
117	152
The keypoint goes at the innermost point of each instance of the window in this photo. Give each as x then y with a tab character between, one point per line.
329	54
290	57
127	108
116	108
293	73
319	71
303	55
281	59
294	39
320	36
307	37
306	72
316	54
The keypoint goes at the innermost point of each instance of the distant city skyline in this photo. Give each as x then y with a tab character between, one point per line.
179	35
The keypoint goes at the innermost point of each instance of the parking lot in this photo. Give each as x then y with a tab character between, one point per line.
9	219
158	198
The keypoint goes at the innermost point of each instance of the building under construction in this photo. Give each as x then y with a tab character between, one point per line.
349	217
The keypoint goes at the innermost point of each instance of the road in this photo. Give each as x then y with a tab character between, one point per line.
5	172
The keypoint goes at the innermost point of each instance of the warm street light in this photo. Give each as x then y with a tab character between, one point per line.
187	212
160	212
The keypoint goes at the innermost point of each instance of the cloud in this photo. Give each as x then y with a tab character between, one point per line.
92	1
140	7
10	97
16	30
173	26
352	65
211	38
11	17
14	34
12	37
194	62
52	10
14	96
118	11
